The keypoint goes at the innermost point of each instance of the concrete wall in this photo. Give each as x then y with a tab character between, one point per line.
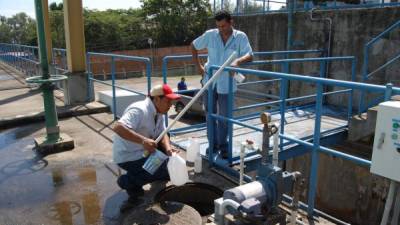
351	30
344	190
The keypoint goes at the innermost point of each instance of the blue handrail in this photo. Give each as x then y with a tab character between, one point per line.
113	58
307	5
315	146
365	74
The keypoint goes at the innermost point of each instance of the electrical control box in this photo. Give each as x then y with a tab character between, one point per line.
386	151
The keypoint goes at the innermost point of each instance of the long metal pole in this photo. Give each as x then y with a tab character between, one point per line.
50	112
194	99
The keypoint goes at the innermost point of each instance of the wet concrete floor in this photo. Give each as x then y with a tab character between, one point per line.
72	187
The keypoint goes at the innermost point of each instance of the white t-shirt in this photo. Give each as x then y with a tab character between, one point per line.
141	117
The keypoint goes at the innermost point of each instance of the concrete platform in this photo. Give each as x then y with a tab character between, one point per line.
21	104
71	187
299	124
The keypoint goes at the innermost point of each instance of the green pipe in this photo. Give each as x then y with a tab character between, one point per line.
42	39
50	112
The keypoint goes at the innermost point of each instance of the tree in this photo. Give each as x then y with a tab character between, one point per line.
20	28
54	7
175	22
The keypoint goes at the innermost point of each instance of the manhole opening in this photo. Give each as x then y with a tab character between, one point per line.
200	196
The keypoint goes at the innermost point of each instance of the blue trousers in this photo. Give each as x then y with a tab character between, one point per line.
220	107
136	176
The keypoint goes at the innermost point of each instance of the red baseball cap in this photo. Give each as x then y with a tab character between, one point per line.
164	90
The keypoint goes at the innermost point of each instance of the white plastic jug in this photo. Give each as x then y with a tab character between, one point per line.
198	164
177	170
192	150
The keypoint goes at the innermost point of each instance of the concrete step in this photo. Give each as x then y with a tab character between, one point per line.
363	126
62	112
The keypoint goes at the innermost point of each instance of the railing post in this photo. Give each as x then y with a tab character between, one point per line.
388	91
210	121
164	69
322	74
114	102
148	74
229	123
283	96
89	76
351	94
314	153
364	78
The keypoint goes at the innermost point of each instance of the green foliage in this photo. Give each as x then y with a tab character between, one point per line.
175	22
114	30
19	28
167	22
54	7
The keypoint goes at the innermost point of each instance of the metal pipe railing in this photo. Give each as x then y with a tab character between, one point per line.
388	90
113	58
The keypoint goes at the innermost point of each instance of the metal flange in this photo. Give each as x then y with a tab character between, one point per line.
51	79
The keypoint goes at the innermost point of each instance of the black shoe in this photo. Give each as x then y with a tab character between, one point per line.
135	193
130	203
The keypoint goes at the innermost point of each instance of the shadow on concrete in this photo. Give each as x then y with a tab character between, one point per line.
94	129
111	214
19	97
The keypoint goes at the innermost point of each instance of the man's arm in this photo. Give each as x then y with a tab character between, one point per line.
244	59
196	60
130	135
166	143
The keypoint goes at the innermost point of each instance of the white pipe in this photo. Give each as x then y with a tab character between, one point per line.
225	203
389	201
242	155
275	154
209	82
396	211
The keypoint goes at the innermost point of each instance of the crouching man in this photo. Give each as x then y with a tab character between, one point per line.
141	123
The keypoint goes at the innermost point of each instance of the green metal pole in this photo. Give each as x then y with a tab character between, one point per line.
52	129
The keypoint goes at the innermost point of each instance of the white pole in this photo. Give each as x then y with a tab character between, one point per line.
275	148
389	202
209	82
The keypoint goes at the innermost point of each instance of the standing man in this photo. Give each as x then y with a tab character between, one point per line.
182	85
136	131
220	44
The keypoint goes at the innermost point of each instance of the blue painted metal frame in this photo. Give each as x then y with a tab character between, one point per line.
113	84
315	146
304	7
168	58
21	57
365	75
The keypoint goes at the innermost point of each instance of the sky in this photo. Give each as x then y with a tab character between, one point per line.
12	7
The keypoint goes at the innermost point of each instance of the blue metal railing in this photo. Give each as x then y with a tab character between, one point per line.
365	75
22	57
315	146
169	58
113	58
251	7
282	104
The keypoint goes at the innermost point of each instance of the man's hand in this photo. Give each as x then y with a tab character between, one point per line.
235	63
172	150
149	145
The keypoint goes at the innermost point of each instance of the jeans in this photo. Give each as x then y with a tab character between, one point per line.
136	176
220	107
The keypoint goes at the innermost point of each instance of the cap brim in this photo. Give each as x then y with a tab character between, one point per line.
173	96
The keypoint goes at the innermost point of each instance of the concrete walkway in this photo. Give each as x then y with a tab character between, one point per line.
22	103
74	187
